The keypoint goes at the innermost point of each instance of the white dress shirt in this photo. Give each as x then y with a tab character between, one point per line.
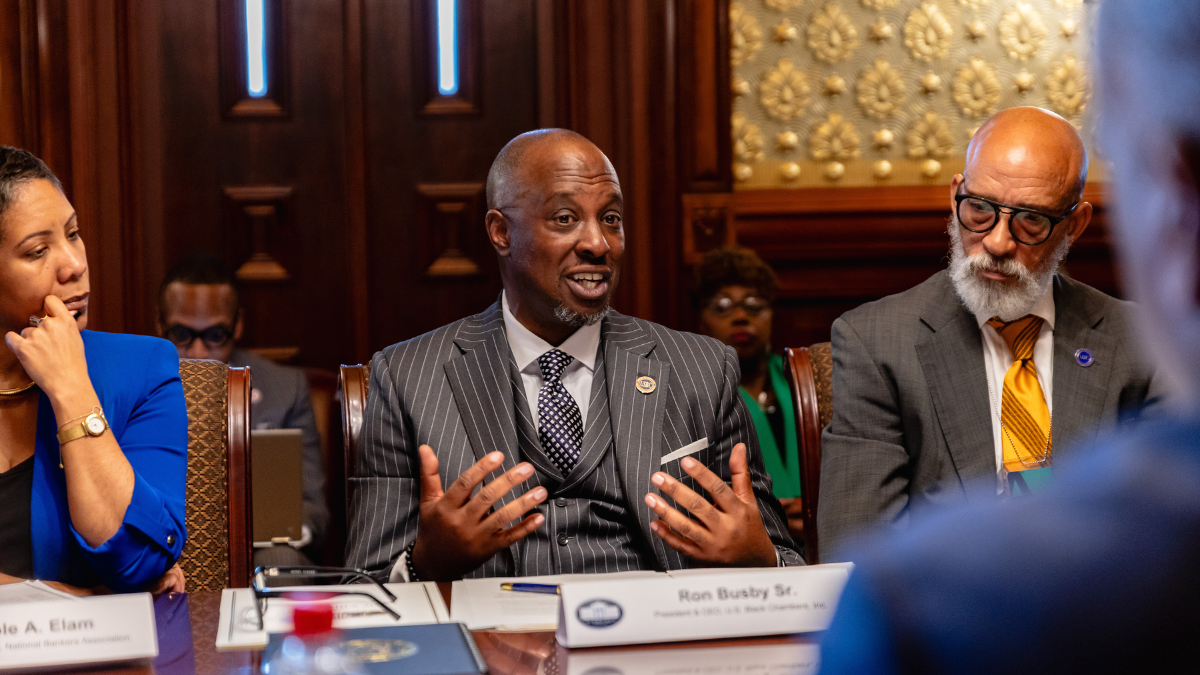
998	358
577	377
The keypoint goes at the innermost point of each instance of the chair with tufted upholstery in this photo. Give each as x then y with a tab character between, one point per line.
218	550
810	373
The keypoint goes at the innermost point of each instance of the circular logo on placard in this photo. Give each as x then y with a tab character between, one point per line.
599	613
378	651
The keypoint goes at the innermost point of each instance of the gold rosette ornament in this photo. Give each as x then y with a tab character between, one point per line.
973	4
831	34
1067	86
745	35
880	90
927	33
879	4
1022	32
930	138
784	91
748	140
976	88
834	141
783	5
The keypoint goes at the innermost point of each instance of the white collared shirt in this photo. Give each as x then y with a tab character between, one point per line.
577	377
998	358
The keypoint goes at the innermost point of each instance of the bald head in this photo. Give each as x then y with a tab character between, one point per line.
525	158
1032	144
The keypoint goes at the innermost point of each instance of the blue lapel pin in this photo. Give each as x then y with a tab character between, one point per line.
1084	357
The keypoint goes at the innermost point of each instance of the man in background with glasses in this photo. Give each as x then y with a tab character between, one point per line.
199	311
964	387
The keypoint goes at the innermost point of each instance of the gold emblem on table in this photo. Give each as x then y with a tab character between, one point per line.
645	384
378	651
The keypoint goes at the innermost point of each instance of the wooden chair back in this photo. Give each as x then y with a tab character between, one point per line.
810	374
354	381
218	512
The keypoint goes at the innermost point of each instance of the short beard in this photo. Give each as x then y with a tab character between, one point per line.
576	320
1007	301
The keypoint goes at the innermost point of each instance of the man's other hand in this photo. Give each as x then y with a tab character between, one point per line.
457	532
727	531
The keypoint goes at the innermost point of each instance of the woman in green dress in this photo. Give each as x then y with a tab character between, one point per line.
735	289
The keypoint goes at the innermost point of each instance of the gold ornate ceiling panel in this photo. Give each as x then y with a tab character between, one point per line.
888	92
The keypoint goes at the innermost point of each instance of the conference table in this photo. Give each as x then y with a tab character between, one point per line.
188	629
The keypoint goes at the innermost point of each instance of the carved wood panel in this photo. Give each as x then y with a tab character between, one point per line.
449	217
259	231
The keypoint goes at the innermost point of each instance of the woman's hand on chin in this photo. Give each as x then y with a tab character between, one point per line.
53	356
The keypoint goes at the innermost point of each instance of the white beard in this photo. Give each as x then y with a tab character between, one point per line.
1008	300
575	319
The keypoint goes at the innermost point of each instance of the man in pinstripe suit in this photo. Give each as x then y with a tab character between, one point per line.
588	423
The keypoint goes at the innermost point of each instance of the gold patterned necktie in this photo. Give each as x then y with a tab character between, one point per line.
1024	416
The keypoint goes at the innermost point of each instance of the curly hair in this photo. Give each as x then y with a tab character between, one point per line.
18	167
733	266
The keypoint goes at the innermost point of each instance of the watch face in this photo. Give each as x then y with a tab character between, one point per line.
95	425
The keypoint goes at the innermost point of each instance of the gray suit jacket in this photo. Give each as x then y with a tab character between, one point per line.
911	423
455	389
281	401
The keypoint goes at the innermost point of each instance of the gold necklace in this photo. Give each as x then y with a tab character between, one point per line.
19	390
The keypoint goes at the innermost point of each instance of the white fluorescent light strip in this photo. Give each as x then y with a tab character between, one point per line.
447	37
256	49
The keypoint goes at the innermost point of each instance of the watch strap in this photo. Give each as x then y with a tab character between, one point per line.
72	433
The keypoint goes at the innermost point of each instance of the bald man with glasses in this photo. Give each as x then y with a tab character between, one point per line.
969	386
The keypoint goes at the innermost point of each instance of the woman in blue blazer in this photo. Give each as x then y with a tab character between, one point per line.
93	427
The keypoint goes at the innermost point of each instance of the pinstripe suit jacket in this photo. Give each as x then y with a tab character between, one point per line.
456	389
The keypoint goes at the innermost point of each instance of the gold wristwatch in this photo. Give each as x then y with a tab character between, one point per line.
93	424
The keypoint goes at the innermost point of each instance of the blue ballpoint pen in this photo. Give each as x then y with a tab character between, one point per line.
530	588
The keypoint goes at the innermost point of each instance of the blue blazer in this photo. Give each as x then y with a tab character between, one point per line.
137	380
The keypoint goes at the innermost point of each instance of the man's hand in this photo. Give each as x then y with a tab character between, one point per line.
458	532
729	533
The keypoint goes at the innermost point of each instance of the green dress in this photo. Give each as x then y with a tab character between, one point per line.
781	459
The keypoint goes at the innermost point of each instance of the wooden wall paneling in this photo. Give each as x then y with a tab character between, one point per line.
236	101
258	231
446	214
404	148
705	148
356	182
430	100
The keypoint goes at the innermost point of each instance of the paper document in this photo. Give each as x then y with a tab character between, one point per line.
482	605
238	628
31	591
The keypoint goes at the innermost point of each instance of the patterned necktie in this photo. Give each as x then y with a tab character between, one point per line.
560	426
1024	416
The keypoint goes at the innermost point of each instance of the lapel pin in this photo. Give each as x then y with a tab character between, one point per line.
645	384
1084	358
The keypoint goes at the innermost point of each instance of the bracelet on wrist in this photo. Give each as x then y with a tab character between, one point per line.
96	410
408	561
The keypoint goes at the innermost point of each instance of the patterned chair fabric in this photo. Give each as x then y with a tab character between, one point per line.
822	366
205	558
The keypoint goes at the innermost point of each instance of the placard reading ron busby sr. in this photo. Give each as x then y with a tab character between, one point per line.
700	605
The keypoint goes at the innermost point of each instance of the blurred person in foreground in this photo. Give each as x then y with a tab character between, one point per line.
93	456
593	426
1098	575
972	385
200	312
735	290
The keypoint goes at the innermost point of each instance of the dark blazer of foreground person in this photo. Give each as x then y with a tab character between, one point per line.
455	389
1095	576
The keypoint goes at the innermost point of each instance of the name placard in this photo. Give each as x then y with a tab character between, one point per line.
700	605
92	630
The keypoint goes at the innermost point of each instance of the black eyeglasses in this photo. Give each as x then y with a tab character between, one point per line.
262	591
213	336
1027	226
753	305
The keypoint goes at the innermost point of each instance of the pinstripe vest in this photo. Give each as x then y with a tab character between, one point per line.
589	527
